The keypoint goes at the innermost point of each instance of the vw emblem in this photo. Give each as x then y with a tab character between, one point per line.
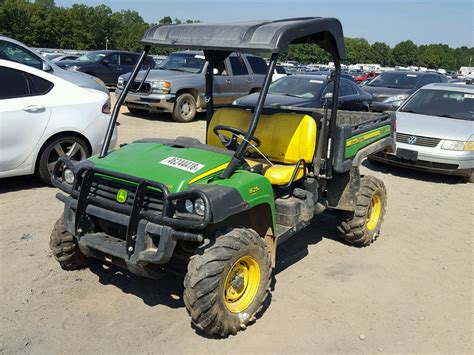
411	140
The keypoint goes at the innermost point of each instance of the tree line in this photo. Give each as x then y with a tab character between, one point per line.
41	23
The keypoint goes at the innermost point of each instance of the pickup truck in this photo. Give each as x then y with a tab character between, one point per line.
178	86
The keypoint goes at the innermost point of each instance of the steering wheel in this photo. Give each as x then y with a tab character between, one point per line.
231	143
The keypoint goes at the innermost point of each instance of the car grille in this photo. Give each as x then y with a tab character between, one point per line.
417	140
104	192
145	88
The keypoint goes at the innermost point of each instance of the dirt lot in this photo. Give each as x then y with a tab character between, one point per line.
411	291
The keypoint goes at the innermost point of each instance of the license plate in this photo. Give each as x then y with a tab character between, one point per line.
406	154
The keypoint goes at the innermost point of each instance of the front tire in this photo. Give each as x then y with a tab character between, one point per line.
227	282
362	227
65	248
184	108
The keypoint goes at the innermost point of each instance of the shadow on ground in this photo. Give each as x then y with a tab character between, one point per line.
411	173
18	183
162	116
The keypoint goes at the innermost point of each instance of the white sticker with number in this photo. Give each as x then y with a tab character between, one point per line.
183	164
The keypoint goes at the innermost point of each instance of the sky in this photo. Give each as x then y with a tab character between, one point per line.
389	21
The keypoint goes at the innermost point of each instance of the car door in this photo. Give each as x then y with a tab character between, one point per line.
241	79
259	69
127	62
223	84
350	98
24	115
110	69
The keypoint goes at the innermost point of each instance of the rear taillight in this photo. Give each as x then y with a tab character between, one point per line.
106	107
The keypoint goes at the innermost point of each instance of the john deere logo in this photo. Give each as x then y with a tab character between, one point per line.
122	196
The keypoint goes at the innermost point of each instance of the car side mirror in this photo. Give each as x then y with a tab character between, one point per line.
327	96
396	104
105	61
46	67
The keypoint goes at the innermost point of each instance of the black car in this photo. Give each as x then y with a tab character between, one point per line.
106	65
309	91
391	88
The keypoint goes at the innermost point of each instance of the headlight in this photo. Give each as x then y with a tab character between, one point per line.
68	175
197	206
458	145
200	206
74	67
161	87
120	83
397	98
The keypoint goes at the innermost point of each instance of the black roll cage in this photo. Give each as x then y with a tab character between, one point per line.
325	32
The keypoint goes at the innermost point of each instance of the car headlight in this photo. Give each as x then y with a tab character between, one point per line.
396	98
161	87
458	145
74	67
120	83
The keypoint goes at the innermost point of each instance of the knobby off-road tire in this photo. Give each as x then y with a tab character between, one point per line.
362	227
184	108
65	249
222	291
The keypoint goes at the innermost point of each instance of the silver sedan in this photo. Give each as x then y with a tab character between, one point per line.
435	131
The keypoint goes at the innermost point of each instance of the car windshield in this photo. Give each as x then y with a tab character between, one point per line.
395	80
91	57
185	62
442	103
298	87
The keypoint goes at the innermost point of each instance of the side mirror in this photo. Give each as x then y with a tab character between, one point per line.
46	67
105	61
396	104
215	71
327	96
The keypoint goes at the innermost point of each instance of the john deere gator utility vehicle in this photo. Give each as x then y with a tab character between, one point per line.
223	207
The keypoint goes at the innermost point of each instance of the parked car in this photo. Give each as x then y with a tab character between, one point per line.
435	131
279	72
310	91
106	65
365	76
391	88
44	117
329	72
15	51
178	84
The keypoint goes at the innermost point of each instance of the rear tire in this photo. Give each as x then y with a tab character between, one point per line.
228	282
65	248
72	147
184	108
362	227
138	111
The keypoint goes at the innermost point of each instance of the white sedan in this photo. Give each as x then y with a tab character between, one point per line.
44	117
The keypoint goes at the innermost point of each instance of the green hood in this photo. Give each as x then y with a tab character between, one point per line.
174	167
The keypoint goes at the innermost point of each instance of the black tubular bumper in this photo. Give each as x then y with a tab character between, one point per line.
151	234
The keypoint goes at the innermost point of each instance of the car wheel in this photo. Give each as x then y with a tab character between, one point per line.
138	111
70	147
184	108
468	179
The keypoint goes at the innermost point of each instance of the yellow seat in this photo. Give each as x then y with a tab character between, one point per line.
285	139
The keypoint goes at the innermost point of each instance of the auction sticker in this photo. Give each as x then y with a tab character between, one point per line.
183	164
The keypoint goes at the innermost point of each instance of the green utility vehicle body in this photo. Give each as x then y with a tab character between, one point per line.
224	206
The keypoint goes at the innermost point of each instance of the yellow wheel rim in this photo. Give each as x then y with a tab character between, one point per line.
241	284
373	213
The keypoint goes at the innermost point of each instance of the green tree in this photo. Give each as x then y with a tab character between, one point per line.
46	3
405	53
357	50
380	53
166	21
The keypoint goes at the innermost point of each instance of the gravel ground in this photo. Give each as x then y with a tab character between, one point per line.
411	291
